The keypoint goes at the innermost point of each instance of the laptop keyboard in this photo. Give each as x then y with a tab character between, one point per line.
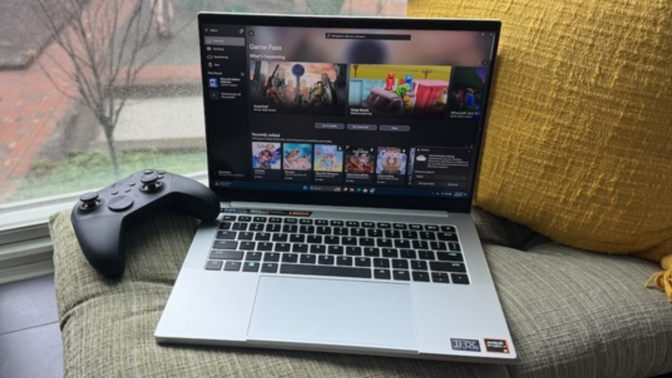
319	247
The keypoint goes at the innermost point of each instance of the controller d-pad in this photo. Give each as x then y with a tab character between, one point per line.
120	203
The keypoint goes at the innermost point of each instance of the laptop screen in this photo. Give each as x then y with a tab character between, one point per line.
345	111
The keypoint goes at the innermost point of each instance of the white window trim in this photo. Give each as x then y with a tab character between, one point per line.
26	249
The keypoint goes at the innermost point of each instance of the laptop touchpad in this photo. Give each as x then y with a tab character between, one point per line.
336	312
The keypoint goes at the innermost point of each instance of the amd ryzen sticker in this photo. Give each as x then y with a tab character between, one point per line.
496	346
467	345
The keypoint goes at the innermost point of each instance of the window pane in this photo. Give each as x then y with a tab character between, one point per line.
93	90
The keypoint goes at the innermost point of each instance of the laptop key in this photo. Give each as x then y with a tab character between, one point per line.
245	235
353	251
229	217
368	224
325	260
280	237
399	226
349	240
419	265
335	250
417	244
307	229
389	252
454	247
407	253
381	263
448	229
264	246
291	221
341	231
273	227
401	243
401	275
290	257
290	229
371	252
318	248
352	224
420	276
251	267
447	267
297	238
225	225
382	274
332	240
272	256
275	220
239	227
384	225
323	270
232	266
440	277
344	260
357	232
367	242
449	256
322	222
400	264
282	247
409	234
425	235
431	227
263	236
426	255
226	235
363	261
323	230
415	227
438	246
308	259
337	223
213	265
384	242
269	268
462	279
244	218
374	233
226	255
247	246
257	227
218	244
253	256
259	219
444	236
301	248
306	221
392	234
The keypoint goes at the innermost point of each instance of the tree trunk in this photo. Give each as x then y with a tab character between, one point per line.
109	137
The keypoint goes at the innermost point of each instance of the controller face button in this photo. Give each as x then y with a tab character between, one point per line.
131	184
127	190
148	171
161	176
161	172
120	203
115	192
116	185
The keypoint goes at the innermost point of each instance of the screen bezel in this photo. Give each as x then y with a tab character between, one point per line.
462	204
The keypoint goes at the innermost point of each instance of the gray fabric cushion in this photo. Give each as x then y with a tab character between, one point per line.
571	314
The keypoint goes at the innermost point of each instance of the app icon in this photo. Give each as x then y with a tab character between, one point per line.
213	82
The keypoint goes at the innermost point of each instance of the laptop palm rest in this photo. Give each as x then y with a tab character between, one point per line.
327	311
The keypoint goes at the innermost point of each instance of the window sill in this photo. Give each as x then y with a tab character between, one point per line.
26	249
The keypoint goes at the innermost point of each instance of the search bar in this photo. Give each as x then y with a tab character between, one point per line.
385	37
225	41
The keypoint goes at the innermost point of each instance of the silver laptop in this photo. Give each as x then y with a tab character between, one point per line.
345	152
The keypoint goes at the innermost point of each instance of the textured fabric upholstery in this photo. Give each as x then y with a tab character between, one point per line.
578	145
571	314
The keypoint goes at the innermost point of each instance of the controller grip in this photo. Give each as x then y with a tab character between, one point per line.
194	199
100	239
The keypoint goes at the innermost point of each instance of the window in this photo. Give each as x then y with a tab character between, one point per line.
94	90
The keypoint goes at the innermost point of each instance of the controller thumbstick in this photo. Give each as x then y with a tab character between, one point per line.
150	182
89	200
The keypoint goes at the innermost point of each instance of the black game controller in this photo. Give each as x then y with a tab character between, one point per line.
100	218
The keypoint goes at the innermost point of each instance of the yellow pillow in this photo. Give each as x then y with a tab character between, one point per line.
579	137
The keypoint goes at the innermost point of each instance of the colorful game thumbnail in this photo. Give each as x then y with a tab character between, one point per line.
297	156
328	158
397	90
266	155
360	159
391	161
